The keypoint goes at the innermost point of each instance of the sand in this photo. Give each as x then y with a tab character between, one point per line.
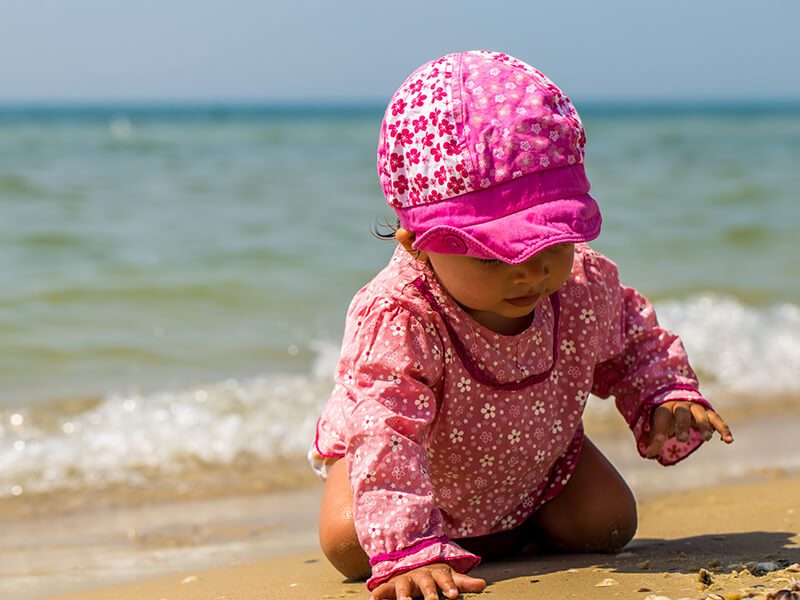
719	528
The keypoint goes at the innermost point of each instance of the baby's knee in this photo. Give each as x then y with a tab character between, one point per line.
614	526
620	533
606	525
603	535
339	543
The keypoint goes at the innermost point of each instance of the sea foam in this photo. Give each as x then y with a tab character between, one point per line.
133	437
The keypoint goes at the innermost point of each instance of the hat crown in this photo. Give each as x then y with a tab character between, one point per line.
473	120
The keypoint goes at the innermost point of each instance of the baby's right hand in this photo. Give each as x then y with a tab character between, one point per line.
427	581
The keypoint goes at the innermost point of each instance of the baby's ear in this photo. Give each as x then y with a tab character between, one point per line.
406	239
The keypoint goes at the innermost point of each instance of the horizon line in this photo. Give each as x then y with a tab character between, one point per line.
366	102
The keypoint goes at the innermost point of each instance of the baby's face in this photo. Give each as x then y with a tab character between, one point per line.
498	295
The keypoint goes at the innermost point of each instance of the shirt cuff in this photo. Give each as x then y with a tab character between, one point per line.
673	451
433	550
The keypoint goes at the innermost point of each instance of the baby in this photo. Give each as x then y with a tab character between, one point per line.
454	429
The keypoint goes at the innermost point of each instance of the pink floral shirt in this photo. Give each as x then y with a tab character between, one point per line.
452	430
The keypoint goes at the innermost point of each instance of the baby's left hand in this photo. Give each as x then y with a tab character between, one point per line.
677	416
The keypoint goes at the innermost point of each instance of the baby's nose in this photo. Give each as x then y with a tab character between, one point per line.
533	271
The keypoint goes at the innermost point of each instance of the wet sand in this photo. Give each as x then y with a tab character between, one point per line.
747	493
718	529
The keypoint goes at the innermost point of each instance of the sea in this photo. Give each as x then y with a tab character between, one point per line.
174	278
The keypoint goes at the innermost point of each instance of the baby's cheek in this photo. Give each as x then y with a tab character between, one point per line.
470	291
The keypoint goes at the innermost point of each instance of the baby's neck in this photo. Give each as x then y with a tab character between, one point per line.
499	323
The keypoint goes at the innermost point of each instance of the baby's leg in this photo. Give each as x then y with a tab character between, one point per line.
595	512
337	531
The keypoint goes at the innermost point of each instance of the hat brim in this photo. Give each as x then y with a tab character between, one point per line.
515	237
510	221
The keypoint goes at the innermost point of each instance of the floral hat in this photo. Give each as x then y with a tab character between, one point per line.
481	154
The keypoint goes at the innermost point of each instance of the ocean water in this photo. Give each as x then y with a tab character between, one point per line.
173	280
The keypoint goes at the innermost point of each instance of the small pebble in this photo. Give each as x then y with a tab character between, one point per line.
784	595
704	577
654	597
625	555
189	579
762	568
645	564
572	570
607	582
292	585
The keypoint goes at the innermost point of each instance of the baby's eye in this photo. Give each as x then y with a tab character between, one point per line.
490	262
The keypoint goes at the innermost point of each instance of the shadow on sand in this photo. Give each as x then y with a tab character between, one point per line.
683	555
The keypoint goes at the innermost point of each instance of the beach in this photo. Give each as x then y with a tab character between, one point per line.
726	505
176	294
729	531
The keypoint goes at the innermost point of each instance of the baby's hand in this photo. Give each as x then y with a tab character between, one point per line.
677	416
427	581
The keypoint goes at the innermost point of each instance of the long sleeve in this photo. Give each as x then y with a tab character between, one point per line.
641	364
390	371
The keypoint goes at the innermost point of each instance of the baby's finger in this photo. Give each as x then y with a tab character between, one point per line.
701	421
444	577
721	426
385	591
399	588
683	421
427	585
662	424
468	584
402	587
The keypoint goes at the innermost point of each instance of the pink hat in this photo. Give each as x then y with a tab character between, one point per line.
481	154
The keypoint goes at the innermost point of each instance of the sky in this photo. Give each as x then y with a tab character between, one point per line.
55	51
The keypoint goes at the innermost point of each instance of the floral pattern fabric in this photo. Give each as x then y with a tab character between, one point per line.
472	120
434	454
